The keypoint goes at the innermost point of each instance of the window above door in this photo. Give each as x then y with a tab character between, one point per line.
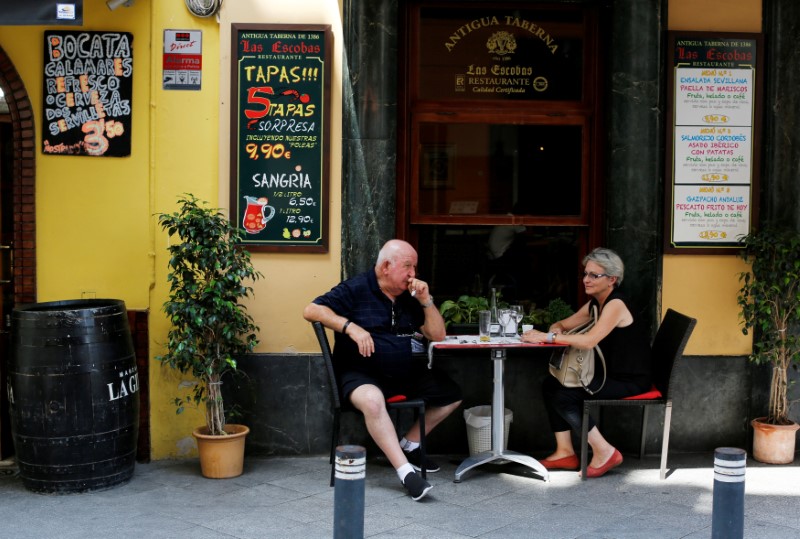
499	52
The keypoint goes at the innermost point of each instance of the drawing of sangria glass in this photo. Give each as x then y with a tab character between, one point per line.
255	215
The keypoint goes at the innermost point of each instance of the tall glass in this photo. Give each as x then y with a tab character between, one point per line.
518	313
505	317
485	325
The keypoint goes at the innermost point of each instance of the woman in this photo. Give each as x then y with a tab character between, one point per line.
626	350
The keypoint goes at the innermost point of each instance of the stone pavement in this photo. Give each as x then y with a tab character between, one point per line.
287	498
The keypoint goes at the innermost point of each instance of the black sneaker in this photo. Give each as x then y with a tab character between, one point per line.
414	458
416	486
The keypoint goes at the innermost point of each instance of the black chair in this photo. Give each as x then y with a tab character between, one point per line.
668	346
394	403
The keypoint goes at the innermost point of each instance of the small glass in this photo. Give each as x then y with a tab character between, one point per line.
485	325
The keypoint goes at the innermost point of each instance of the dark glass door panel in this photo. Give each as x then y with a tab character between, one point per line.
530	265
484	169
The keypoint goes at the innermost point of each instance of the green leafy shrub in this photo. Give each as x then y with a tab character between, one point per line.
209	326
464	310
769	299
542	318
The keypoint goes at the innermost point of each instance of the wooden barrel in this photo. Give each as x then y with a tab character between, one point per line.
73	395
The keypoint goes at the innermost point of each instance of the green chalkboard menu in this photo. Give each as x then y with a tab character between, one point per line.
280	123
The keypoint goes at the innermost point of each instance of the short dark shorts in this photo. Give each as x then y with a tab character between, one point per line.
434	386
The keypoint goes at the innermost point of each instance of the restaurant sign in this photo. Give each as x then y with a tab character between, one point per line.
486	53
714	130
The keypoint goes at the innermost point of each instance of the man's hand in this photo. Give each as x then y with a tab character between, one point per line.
433	328
419	290
362	337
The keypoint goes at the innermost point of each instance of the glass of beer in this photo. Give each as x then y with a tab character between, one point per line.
485	325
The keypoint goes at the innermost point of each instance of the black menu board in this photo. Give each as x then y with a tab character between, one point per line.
87	91
280	116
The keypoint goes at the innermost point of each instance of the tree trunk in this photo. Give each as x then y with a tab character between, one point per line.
215	410
778	399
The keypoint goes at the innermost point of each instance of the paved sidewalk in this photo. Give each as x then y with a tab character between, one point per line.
287	498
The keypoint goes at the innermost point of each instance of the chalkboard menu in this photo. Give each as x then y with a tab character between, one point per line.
714	94
88	86
280	123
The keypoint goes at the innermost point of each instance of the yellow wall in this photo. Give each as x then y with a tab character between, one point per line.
91	229
185	131
199	162
705	286
715	15
292	280
97	234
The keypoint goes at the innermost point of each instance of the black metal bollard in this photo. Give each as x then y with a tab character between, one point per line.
348	495
727	515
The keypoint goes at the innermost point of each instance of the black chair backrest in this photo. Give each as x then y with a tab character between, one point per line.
325	347
668	346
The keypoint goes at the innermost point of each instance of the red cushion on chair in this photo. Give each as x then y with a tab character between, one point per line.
401	398
654	393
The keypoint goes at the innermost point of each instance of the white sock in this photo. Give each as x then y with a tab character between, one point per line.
404	470
408	445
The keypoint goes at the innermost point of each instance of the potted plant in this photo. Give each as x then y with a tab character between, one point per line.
461	315
210	328
769	299
557	309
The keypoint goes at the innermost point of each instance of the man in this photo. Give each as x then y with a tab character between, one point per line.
378	316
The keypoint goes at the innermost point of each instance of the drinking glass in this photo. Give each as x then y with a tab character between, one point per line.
485	325
518	313
504	316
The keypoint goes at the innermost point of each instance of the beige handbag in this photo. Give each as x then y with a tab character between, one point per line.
574	367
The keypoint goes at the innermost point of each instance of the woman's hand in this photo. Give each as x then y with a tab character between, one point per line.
534	336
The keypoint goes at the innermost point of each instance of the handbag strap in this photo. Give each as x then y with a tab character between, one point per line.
603	361
586	326
591	323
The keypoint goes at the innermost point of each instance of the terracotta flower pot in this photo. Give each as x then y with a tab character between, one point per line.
221	457
773	444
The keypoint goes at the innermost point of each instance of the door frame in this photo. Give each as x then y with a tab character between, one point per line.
23	222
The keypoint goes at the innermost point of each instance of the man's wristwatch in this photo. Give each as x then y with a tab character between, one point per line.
426	305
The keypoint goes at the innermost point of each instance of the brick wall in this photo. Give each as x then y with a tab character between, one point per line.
24	180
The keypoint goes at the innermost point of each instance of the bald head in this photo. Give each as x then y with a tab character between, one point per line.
394	250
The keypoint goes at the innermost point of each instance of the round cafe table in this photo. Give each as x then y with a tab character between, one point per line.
497	347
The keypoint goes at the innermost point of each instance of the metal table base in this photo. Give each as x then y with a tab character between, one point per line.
498	429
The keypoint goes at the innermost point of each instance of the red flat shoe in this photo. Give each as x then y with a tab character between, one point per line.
565	463
613	462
